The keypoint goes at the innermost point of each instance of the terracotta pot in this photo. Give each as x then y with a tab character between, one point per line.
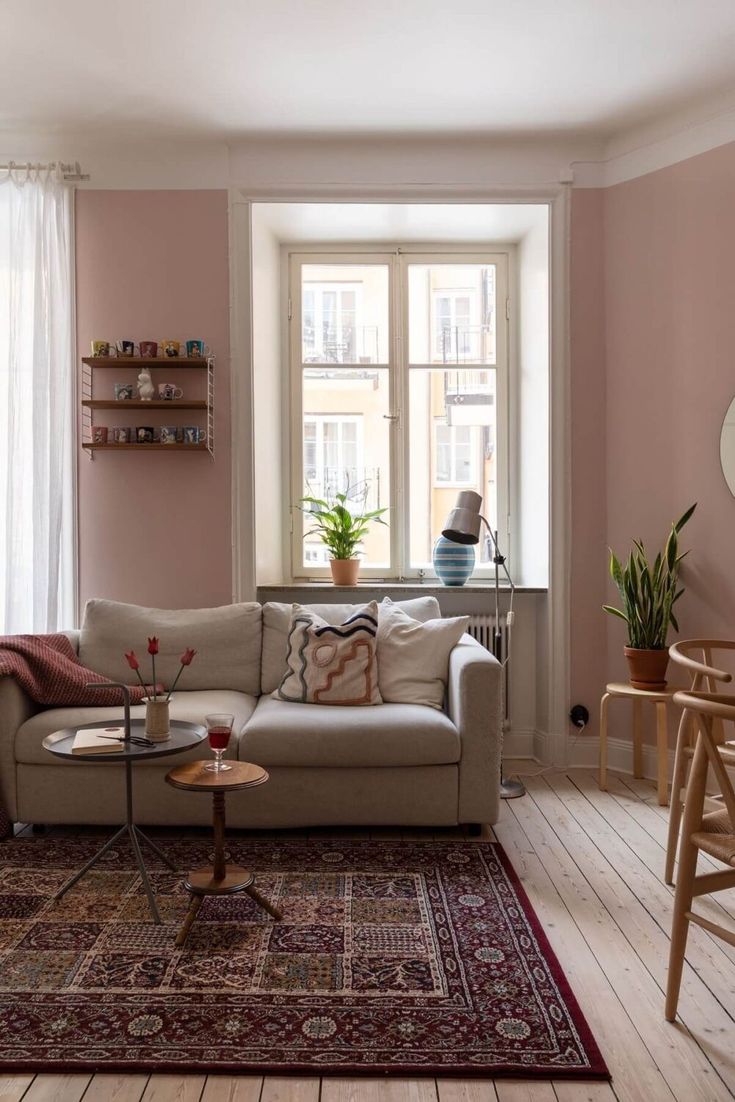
156	720
647	668
345	571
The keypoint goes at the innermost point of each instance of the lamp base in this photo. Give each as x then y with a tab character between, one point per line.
510	790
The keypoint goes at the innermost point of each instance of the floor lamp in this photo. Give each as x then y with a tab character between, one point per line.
463	525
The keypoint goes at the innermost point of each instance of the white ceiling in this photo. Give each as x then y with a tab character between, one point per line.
229	68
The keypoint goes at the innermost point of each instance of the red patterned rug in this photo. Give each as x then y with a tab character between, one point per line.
392	957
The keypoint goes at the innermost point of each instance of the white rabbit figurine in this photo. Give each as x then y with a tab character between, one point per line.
146	389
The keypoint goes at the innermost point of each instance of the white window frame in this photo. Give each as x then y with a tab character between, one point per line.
397	261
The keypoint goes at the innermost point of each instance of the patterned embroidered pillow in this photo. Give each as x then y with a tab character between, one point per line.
328	664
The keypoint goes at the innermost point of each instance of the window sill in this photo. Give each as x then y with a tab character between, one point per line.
412	586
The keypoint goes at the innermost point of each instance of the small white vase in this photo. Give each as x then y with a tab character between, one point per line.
157	726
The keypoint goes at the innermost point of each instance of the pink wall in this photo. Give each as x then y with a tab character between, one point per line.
668	311
155	528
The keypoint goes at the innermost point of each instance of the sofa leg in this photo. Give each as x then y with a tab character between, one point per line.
474	830
39	828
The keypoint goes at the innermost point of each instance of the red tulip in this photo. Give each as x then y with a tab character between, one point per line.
132	660
153	645
187	656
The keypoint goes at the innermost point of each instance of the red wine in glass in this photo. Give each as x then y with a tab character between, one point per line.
219	737
219	729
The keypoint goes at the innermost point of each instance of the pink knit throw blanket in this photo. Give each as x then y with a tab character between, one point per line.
47	668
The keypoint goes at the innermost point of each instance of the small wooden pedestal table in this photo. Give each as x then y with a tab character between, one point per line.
638	696
221	879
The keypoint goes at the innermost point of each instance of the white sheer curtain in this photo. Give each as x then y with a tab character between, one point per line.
37	494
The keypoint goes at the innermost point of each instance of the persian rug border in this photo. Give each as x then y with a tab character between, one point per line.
594	1069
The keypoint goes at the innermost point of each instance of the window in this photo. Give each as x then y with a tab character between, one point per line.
399	395
454	455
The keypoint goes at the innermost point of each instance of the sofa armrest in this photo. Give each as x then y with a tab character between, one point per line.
475	708
15	709
73	635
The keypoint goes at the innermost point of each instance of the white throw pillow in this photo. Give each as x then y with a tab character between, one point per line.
331	663
413	657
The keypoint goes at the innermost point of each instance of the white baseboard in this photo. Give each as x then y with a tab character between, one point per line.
519	744
549	748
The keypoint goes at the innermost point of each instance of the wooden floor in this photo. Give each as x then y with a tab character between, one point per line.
592	864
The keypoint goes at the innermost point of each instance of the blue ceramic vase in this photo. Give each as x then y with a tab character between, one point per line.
453	562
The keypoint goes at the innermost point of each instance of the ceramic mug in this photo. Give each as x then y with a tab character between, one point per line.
144	434
149	349
168	434
123	392
99	434
169	392
193	434
195	348
101	348
121	436
126	348
171	348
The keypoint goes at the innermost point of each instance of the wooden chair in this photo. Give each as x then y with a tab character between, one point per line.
694	656
713	832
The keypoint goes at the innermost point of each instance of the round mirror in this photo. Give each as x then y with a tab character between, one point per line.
727	447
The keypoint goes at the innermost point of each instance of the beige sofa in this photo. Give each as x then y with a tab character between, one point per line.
393	764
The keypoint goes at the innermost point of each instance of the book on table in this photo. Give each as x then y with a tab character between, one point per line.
98	740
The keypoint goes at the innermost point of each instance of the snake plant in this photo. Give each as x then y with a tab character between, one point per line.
649	593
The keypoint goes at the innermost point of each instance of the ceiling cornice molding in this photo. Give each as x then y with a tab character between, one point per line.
675	138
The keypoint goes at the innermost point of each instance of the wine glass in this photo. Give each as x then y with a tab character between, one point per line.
219	729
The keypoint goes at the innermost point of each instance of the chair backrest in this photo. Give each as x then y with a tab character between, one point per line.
685	652
711	711
695	656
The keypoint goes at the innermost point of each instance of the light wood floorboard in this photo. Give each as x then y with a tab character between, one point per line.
592	865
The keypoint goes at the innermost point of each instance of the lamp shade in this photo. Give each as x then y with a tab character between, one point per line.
463	523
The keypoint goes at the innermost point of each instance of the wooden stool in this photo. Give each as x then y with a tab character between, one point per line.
222	879
638	696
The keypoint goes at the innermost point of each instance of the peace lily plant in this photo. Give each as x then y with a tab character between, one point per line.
648	595
341	531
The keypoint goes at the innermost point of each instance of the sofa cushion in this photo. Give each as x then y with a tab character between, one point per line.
227	641
413	657
277	618
284	734
332	663
193	707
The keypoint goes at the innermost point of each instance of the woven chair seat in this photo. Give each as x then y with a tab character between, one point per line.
717	837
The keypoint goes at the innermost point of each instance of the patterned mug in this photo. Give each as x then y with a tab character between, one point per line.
126	348
123	392
149	349
192	434
168	434
171	348
99	434
195	348
169	392
121	436
101	348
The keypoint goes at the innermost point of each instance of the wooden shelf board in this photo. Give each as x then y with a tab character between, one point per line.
136	403
146	447
150	361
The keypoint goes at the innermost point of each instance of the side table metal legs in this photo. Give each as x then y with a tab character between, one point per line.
135	834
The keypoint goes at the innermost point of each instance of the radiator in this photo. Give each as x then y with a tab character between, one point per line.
482	628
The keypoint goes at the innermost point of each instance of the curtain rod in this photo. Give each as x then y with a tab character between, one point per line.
71	172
